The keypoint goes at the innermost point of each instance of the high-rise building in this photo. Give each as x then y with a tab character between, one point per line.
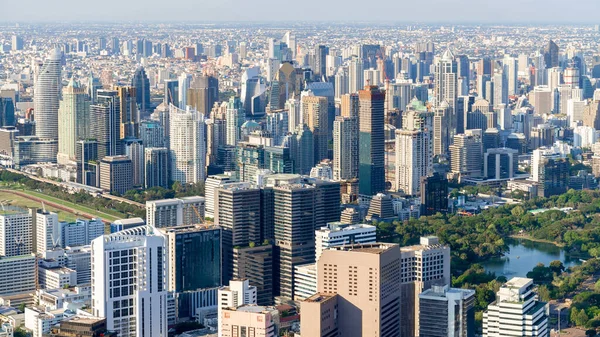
17	42
133	302
141	83
371	152
256	264
516	311
345	148
422	266
212	183
73	120
175	212
301	149
237	209
350	106
366	277
134	150
116	174
320	68
47	231
434	194
86	155
152	134
16	231
129	114
235	117
47	91
442	130
203	93
252	320
446	79
550	171
106	123
187	147
79	233
314	115
551	55
7	111
355	75
413	160
156	167
171	92
466	154
18	274
447	312
500	163
192	249
338	234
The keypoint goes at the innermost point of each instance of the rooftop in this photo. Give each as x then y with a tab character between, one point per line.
320	297
517	282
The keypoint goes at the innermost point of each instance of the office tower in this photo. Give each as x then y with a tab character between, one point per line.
320	68
541	99
481	116
136	305
185	81
447	312
301	149
48	86
381	207
335	234
365	277
80	233
7	111
116	174
504	115
413	160
187	148
350	106
371	171
48	232
541	136
256	265
446	79
510	71
466	154
175	212
156	167
17	43
16	230
129	114
106	123
212	183
500	163
141	83
550	171
591	114
249	319
202	93
171	92
516	311
500	90
341	83
434	194
235	117
423	266
442	129
253	92
463	71
134	149
345	148
92	87
237	210
152	134
18	274
192	249
314	115
551	55
86	155
73	120
355	75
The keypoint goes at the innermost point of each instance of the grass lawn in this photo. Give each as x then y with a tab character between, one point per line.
105	214
8	198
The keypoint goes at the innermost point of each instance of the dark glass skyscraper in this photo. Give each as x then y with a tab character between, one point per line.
141	83
106	123
551	55
371	152
7	112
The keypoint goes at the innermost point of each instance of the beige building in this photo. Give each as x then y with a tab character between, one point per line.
249	320
319	316
367	279
314	115
116	174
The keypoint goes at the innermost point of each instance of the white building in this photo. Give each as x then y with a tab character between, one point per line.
584	136
72	298
39	321
15	231
81	232
238	293
74	258
129	276
188	149
17	274
211	184
338	234
537	158
305	281
185	81
52	276
249	320
175	212
48	231
516	311
447	309
48	86
413	160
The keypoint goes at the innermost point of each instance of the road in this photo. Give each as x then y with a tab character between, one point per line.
74	186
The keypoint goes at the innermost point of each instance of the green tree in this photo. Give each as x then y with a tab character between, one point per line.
22	307
517	211
557	267
544	293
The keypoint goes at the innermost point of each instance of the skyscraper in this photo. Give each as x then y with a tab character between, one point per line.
133	302
47	231
446	79
188	150
345	148
116	174
156	166
447	312
551	55
106	123
355	75
130	116
48	86
434	194
235	117
73	120
413	159
203	93
371	152
314	115
141	83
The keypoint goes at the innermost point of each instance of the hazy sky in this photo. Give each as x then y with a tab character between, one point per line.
481	11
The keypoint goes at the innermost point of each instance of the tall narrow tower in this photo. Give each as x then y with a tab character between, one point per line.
371	153
47	95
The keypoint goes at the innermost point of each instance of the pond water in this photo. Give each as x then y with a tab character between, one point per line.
526	254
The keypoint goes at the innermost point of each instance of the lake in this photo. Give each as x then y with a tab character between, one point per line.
524	255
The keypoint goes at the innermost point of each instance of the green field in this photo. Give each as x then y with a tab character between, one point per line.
12	199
